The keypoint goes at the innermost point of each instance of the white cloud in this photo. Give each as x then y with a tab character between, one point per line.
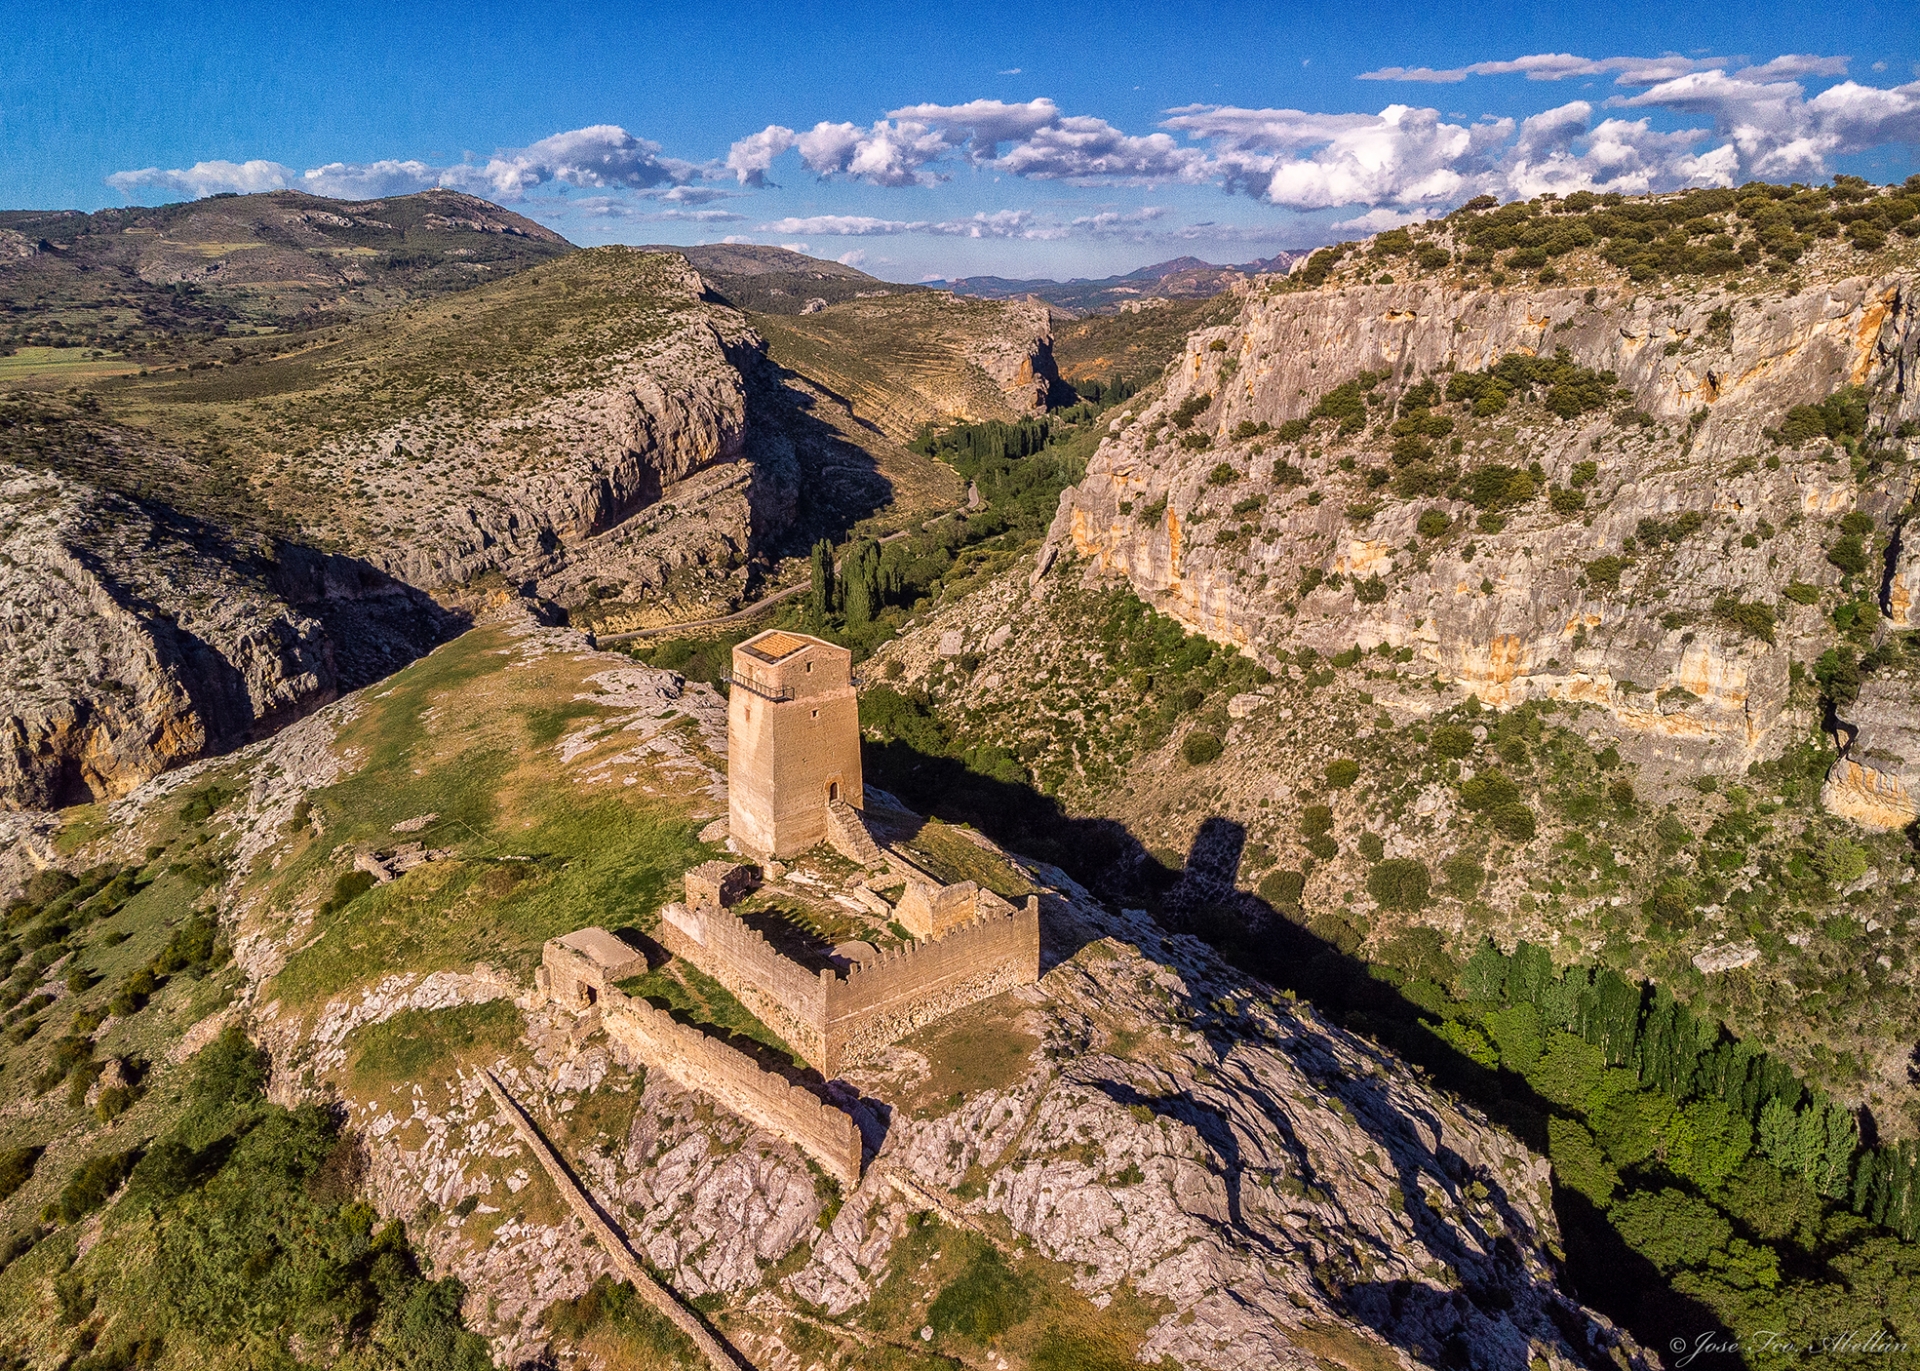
911	144
1771	130
1401	156
1380	220
1798	64
1007	224
1558	66
614	207
854	258
599	157
206	178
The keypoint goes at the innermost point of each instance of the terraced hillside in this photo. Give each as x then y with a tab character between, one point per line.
902	362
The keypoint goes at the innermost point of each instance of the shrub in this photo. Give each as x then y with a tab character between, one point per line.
1196	441
1801	593
1753	620
1200	748
1316	819
1620	792
1400	883
16	1168
1222	475
1584	474
1464	875
1433	524
1324	847
1342	772
1371	591
1346	404
1605	571
1489	790
1564	501
92	1184
1190	409
1513	821
1841	415
1293	430
1287	474
1849	554
1452	740
346	889
1283	887
1495	487
1372	846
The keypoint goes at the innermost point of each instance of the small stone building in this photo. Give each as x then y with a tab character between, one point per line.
578	968
720	885
793	742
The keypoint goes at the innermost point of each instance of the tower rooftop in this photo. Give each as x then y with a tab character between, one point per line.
774	645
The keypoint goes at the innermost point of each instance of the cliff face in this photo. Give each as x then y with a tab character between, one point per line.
135	639
1277	545
587	440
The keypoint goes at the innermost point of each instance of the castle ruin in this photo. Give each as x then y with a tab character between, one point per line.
793	764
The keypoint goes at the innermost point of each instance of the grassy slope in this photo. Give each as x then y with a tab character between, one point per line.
536	852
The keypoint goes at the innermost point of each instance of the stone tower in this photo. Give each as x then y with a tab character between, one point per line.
793	742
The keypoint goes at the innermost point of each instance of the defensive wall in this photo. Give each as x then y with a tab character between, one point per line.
776	990
699	1062
834	1020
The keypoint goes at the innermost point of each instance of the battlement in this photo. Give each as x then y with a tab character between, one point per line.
834	1019
904	989
775	989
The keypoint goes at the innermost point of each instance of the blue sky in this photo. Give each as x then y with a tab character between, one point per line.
946	141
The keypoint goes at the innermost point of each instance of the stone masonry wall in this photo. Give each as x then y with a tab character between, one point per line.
832	1020
776	990
882	1001
769	1101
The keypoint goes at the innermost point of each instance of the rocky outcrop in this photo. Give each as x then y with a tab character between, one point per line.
135	639
539	477
626	472
1276	546
1876	779
1019	357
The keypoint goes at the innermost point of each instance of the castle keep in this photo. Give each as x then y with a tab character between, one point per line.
793	742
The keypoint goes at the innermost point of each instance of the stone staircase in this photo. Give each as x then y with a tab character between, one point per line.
847	834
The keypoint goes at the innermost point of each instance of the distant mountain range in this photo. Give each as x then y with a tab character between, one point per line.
1183	278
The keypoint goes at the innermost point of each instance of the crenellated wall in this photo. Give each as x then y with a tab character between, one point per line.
906	988
776	990
835	1020
769	1101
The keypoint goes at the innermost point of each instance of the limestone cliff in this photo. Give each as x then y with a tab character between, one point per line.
1641	525
135	639
588	441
